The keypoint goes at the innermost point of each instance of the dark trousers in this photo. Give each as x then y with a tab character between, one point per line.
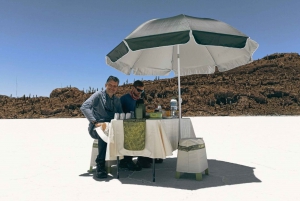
101	145
128	158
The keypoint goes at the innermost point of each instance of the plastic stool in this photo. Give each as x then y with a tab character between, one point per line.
191	157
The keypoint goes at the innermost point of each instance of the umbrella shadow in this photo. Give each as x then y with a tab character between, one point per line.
221	173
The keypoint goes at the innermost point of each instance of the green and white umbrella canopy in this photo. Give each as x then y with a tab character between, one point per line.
183	44
204	43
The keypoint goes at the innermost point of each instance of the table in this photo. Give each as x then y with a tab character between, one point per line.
161	138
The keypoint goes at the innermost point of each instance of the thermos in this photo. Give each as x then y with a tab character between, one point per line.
140	110
173	104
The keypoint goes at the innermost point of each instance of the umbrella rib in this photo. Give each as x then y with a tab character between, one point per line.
135	62
210	55
128	52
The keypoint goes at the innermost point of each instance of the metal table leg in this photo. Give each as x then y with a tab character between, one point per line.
117	167
153	169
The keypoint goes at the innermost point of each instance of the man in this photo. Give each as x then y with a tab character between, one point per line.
129	102
101	107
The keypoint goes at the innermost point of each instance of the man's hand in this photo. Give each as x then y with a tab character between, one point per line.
101	124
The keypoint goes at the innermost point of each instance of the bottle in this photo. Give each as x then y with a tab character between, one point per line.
159	108
173	104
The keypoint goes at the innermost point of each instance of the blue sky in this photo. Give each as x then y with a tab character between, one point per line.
48	44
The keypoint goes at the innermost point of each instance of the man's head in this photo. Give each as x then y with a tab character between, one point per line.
138	87
111	85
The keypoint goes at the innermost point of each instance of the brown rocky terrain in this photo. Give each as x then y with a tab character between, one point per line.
268	86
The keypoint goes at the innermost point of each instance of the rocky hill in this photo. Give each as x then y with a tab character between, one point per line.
268	86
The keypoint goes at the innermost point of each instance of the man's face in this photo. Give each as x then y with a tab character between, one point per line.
138	90
111	87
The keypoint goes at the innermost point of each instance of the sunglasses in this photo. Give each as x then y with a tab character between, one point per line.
139	90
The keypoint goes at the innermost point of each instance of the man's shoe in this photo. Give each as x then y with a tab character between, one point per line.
130	165
138	167
143	162
101	172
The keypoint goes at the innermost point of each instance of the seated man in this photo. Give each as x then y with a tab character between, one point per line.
129	102
101	107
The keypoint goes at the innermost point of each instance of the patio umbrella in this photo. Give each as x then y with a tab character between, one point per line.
183	44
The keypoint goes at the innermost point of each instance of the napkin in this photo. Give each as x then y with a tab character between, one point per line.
103	131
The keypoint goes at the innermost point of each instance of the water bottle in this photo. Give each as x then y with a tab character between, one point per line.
173	104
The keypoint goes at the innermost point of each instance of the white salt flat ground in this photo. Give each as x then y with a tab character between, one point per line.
250	158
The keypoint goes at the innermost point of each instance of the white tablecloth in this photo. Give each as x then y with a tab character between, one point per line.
171	128
161	138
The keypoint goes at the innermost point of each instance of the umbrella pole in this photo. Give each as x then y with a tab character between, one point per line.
179	93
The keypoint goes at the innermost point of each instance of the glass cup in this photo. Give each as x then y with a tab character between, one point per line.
122	116
117	116
132	114
128	116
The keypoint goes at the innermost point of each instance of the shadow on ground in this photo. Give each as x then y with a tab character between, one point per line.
221	173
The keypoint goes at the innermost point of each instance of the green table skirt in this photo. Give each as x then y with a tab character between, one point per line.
134	134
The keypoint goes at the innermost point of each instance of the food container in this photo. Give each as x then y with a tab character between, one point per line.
155	115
